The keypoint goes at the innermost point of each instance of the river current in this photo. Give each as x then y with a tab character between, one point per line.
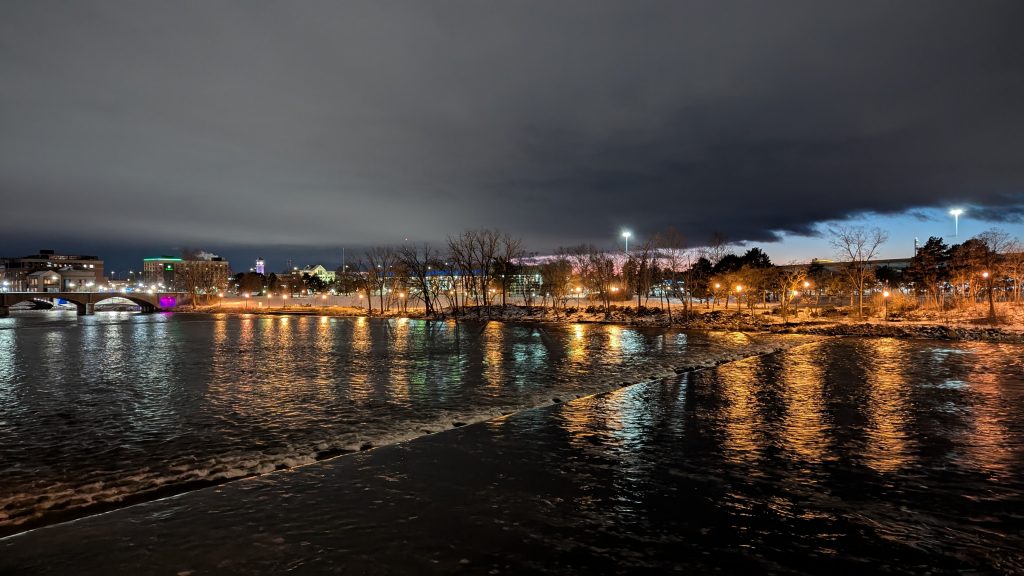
103	410
832	456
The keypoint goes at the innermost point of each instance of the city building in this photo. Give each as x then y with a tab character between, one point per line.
79	270
319	271
205	275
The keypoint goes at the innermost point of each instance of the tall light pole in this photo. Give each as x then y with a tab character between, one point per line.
626	234
956	212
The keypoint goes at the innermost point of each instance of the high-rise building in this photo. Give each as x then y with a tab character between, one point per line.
201	275
260	266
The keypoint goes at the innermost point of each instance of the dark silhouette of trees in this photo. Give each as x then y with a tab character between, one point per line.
927	270
698	279
556	276
421	264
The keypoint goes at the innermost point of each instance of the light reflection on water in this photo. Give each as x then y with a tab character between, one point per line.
828	450
113	405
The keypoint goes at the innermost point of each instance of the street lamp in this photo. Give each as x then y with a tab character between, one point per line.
739	292
956	212
991	298
578	290
626	234
885	304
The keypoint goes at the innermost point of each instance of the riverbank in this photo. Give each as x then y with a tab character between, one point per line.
966	326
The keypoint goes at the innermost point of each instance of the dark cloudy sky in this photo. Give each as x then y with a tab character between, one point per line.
299	127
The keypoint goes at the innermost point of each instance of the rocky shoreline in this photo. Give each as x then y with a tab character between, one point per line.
916	331
713	320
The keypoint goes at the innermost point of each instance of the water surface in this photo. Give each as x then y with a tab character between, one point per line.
98	409
845	456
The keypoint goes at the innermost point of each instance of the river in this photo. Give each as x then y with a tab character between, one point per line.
834	455
100	411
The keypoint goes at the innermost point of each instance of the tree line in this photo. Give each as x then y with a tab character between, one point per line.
482	268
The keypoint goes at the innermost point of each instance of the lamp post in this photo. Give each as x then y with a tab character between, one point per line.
626	234
885	305
991	297
739	292
578	290
246	295
956	212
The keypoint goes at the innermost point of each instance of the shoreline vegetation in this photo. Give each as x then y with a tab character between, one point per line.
966	325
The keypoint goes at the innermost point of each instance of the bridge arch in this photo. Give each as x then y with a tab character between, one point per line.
147	303
85	302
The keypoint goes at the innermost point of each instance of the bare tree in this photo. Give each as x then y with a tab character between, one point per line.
639	266
579	257
363	279
556	276
600	275
857	246
997	243
717	248
1013	263
380	262
675	260
202	278
474	253
787	282
421	263
506	263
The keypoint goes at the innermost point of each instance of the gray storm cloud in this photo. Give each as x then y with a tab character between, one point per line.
269	123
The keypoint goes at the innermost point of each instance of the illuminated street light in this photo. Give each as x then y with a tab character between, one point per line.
626	234
885	304
956	212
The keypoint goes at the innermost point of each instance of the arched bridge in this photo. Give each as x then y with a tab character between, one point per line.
86	302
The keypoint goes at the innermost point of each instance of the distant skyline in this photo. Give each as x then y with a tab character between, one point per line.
259	128
902	230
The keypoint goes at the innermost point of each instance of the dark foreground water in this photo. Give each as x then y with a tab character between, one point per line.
102	410
846	456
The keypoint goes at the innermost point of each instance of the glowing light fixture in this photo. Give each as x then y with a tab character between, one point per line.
956	212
